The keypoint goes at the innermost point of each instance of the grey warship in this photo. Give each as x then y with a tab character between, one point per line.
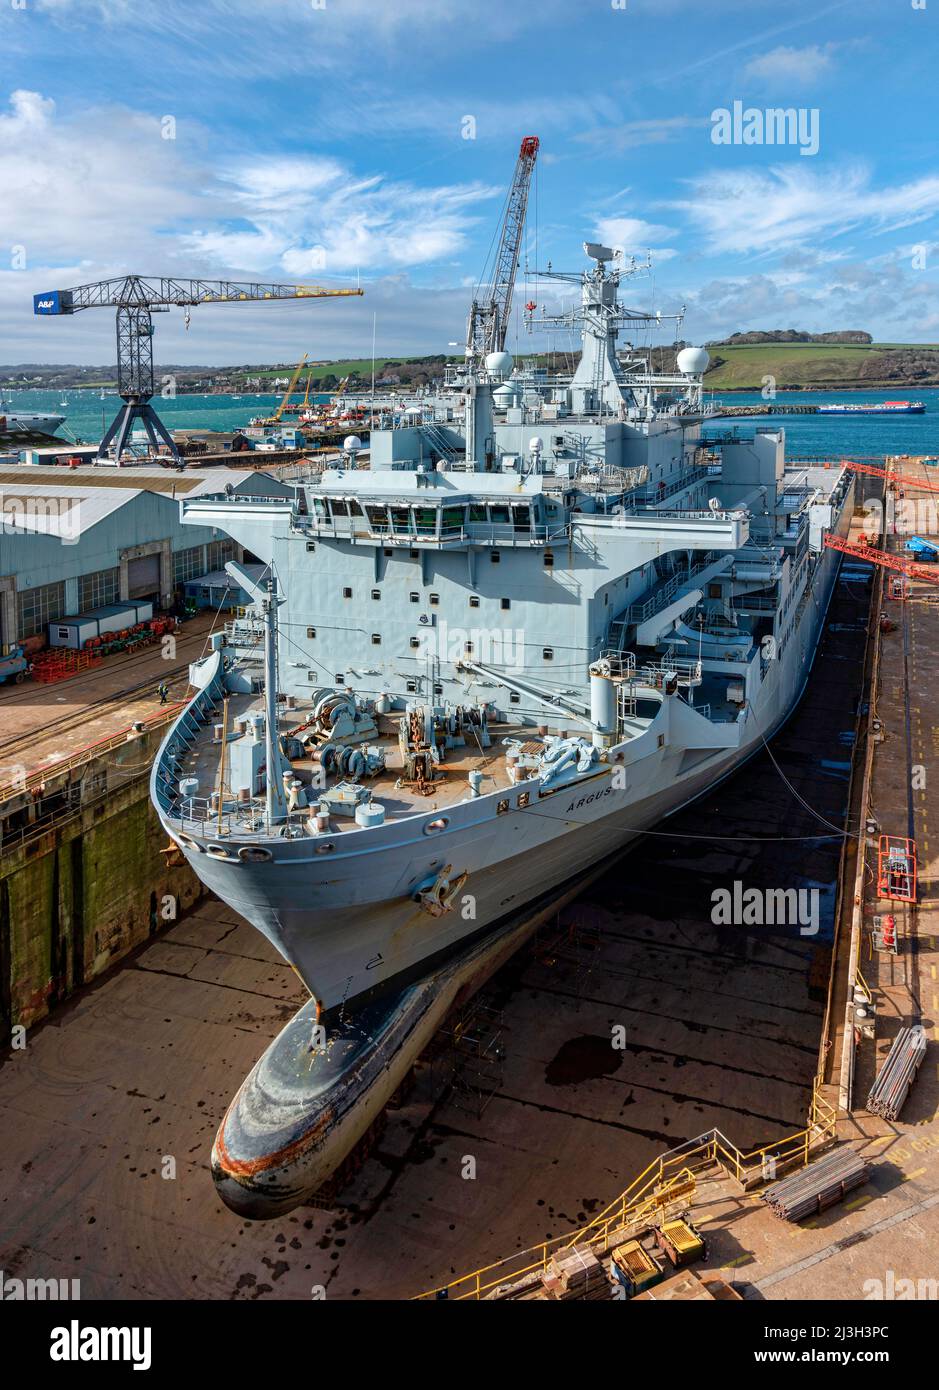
549	612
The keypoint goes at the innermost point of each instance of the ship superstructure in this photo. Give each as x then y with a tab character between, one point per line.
533	626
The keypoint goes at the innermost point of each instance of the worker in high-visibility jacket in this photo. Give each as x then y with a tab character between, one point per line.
163	691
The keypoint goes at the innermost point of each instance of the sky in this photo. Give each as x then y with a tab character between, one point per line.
371	142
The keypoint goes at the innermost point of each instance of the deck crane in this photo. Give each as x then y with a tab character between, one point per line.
489	317
136	297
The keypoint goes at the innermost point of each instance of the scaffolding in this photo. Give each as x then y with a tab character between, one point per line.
572	940
475	1054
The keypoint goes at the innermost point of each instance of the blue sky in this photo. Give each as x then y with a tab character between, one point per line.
324	140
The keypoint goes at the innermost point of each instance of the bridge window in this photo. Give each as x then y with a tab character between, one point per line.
339	508
499	515
478	513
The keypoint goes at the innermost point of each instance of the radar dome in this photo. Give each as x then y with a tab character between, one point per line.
535	444
693	361
499	363
352	443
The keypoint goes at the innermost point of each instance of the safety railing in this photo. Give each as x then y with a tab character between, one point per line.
668	1179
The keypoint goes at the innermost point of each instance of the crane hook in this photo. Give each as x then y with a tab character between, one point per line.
186	318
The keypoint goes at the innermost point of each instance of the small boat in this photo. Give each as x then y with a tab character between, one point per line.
876	408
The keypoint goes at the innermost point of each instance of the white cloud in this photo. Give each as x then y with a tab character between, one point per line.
137	202
751	211
635	237
315	215
788	66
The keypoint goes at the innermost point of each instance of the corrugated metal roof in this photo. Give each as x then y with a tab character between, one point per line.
158	480
55	511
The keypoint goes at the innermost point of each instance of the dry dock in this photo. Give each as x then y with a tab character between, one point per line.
522	1123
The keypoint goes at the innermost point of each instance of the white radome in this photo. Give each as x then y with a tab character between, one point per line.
352	443
535	444
499	363
693	361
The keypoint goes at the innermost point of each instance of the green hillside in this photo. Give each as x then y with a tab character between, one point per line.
742	366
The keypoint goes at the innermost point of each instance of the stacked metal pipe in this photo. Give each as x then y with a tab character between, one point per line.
889	1092
819	1185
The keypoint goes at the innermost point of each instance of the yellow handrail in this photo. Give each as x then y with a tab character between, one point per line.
667	1178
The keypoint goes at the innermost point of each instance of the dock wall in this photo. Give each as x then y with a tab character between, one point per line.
84	882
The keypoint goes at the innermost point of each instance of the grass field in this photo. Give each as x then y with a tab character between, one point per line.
796	365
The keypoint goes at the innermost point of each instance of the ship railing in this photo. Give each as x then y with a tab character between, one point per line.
622	665
757	603
650	493
666	591
657	672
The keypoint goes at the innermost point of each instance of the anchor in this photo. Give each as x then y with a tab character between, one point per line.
436	893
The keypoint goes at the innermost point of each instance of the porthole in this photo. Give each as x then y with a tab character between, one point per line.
253	854
219	852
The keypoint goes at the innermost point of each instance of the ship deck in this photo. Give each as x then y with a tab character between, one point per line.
450	786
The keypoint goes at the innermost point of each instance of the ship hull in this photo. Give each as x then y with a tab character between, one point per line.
349	940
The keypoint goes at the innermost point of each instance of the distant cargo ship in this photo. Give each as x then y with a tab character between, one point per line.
881	408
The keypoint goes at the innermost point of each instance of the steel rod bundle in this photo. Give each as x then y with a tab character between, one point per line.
818	1186
889	1092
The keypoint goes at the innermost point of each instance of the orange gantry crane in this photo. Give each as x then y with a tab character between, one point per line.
873	470
863	550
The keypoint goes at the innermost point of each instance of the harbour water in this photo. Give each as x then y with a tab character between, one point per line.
806	434
87	416
844	435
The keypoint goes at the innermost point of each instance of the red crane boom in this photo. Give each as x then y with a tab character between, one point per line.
880	557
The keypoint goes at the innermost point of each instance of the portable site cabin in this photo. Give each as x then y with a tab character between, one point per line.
114	617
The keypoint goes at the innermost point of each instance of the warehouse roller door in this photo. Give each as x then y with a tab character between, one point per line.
143	577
